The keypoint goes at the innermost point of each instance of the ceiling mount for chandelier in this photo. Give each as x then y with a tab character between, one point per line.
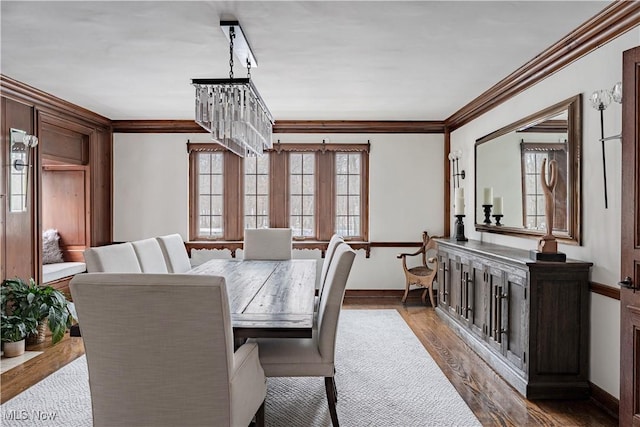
232	110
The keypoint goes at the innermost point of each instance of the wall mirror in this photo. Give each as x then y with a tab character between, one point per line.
508	164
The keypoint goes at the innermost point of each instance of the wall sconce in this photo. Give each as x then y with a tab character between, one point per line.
454	156
600	100
19	158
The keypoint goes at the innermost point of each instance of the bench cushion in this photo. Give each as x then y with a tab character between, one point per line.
53	272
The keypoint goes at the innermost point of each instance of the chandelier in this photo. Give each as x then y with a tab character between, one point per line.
231	110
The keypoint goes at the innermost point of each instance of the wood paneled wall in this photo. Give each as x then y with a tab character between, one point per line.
19	253
65	207
68	135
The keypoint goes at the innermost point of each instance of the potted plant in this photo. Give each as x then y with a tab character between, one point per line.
15	324
44	303
14	330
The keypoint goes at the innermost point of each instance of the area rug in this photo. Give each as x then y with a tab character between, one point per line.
384	377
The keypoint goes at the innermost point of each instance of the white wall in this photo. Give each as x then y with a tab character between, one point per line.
150	185
405	193
600	227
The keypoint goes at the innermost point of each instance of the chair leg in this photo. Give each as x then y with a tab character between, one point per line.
260	416
406	292
335	389
431	298
330	385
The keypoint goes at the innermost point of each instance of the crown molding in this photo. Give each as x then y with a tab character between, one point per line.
21	92
357	126
156	126
613	21
288	126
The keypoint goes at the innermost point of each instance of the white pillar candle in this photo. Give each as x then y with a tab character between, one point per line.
459	193
497	205
459	206
488	196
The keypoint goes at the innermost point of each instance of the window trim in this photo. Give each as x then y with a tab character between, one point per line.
279	209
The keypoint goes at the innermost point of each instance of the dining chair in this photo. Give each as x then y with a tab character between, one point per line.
315	356
118	258
150	256
334	242
267	243
175	253
159	351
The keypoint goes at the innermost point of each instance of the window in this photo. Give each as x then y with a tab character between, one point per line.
315	189
256	192
348	189
210	194
535	213
533	202
302	194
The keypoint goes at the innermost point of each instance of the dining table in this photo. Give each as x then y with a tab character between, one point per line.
267	299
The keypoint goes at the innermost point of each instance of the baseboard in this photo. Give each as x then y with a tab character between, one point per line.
374	293
604	400
414	294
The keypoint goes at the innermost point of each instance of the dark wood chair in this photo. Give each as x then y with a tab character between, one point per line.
421	275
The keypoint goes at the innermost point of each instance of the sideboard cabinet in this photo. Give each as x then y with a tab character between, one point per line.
529	320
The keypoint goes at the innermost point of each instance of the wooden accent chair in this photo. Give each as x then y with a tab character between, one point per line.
315	356
160	353
422	275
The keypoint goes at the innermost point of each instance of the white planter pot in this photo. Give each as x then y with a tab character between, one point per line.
13	349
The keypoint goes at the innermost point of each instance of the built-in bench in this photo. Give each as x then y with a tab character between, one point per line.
58	275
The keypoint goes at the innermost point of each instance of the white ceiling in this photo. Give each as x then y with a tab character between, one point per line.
318	60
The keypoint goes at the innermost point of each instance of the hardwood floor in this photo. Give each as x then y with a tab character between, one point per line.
492	400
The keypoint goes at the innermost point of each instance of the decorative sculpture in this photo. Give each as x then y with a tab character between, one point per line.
547	245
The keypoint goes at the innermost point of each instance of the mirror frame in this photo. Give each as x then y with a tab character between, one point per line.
573	106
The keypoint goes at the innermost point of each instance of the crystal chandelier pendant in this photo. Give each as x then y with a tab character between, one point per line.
231	110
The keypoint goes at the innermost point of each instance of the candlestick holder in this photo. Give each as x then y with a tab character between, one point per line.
487	213
497	217
460	229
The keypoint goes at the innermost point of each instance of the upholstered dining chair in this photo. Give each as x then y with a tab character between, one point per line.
159	350
424	274
150	256
267	243
175	253
334	242
118	258
315	356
